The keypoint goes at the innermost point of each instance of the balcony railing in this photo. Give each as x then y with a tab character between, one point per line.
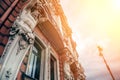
49	15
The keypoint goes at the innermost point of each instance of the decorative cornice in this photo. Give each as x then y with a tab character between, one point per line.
66	55
77	70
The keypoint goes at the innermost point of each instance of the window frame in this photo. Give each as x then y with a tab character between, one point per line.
43	46
56	64
34	56
40	43
46	52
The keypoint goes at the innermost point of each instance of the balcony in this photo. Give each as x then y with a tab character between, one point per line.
52	34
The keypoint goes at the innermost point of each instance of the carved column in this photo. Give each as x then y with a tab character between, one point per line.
19	43
61	68
65	61
20	40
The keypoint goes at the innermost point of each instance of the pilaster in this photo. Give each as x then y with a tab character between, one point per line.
20	41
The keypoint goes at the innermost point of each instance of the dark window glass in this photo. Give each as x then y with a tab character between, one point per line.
33	66
53	69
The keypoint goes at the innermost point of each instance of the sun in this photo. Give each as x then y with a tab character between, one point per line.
116	4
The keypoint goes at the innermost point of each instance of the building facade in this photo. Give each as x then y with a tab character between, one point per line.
36	42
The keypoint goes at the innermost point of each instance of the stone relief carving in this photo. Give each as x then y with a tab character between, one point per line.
26	35
37	10
68	74
20	40
23	26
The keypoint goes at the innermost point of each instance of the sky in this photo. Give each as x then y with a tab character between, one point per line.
96	22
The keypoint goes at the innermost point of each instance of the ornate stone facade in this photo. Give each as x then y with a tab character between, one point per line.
38	44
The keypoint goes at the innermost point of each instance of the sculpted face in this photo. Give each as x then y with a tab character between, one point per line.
36	9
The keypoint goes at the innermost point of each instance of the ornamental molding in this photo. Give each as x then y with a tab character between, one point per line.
37	10
26	35
74	67
67	72
20	40
66	55
77	70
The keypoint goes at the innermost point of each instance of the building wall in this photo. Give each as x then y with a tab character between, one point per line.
39	36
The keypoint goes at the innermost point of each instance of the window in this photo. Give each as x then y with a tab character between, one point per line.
33	64
53	68
36	65
33	67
